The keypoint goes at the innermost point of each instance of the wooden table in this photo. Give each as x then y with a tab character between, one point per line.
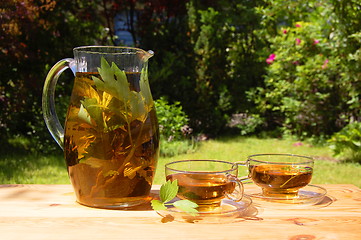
50	212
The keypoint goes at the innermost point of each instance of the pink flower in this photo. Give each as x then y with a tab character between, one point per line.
297	144
325	64
298	25
298	41
284	31
315	41
296	62
271	58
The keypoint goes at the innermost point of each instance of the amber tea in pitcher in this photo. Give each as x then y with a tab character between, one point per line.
111	137
98	143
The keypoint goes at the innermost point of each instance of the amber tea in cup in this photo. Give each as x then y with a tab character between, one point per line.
206	182
280	175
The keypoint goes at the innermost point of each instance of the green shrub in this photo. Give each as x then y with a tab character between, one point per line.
347	142
171	119
175	134
309	88
246	123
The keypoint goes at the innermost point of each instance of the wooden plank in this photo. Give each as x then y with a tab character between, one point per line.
50	212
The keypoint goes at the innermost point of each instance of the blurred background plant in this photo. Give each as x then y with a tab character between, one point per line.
171	119
175	133
312	84
34	35
347	142
270	66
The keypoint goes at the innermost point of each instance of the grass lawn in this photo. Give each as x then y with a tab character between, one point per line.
34	169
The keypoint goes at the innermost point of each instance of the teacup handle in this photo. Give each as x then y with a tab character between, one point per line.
237	194
244	179
48	106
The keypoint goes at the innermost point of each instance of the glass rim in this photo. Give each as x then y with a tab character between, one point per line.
233	166
310	159
92	50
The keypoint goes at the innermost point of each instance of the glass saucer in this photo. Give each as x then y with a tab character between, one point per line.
227	212
308	196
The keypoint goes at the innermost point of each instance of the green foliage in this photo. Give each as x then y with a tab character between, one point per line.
226	61
175	134
209	55
163	28
205	57
209	48
311	87
347	142
171	119
246	123
34	36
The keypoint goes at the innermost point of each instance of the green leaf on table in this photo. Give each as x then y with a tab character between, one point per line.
158	205
186	206
168	191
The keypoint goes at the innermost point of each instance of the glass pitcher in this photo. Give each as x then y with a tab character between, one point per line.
111	136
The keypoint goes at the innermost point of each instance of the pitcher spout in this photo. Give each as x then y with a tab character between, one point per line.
148	54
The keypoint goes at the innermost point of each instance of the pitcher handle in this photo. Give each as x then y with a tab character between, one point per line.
48	103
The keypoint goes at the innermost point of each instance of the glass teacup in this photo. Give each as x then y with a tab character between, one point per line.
280	175
206	182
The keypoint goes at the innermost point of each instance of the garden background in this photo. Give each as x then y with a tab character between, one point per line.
258	73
